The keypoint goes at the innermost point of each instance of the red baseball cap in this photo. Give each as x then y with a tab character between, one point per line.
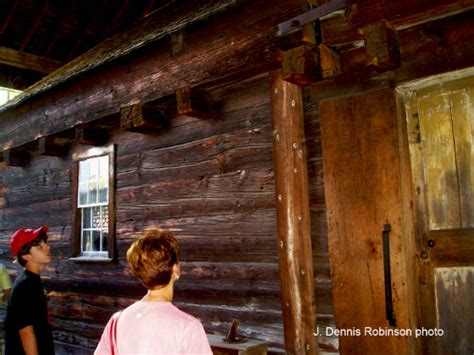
23	236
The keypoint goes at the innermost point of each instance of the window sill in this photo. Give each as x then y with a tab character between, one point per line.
91	259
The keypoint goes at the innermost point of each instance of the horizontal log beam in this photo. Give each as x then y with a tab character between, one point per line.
194	102
89	135
403	14
381	46
142	118
52	146
300	65
23	60
423	52
15	157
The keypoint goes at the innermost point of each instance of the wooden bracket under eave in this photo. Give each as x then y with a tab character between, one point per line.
142	118
90	135
194	102
16	157
300	65
381	46
329	62
53	146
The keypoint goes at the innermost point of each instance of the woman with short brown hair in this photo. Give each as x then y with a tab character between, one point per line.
154	325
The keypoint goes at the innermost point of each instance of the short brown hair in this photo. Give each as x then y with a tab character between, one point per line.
152	257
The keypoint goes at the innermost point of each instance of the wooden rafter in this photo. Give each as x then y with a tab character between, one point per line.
9	16
32	62
62	17
39	17
147	8
85	32
118	14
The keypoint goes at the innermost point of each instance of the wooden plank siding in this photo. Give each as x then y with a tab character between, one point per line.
211	181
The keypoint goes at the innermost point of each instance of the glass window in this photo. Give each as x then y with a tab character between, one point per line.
93	205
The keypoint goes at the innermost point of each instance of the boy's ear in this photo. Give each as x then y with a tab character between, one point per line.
26	257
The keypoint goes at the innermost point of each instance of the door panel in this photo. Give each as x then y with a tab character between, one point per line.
440	123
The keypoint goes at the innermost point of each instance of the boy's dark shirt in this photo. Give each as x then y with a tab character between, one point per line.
28	306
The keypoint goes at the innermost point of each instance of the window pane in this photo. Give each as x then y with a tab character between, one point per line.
86	218
104	241
83	191
84	171
98	221
86	243
103	179
96	240
93	179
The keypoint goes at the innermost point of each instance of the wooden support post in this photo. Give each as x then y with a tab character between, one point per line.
300	65
381	46
15	157
139	117
85	134
194	102
52	146
293	216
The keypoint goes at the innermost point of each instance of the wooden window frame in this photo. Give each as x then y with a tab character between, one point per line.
93	152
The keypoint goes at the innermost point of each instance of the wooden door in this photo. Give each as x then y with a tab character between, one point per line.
365	179
440	121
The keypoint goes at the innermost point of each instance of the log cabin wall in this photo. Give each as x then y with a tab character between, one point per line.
211	181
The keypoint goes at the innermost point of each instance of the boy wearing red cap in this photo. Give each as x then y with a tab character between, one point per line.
27	328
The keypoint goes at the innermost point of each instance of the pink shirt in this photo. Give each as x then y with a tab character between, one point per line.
155	328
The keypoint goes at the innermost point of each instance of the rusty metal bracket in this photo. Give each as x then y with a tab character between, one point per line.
310	16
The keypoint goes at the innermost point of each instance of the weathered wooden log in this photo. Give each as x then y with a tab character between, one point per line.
142	118
381	46
301	65
52	146
194	102
90	135
293	217
16	157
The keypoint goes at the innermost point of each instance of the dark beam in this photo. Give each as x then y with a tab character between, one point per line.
85	31
381	46
330	64
310	16
9	16
63	16
32	62
194	102
401	14
146	10
141	118
16	157
300	65
39	17
52	146
113	21
90	135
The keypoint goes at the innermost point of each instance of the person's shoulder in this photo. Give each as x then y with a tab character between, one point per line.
186	317
25	279
3	268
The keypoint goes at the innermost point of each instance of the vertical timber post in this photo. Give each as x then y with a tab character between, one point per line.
293	217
